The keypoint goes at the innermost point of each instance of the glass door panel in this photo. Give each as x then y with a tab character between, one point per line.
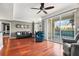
67	26
56	29
49	29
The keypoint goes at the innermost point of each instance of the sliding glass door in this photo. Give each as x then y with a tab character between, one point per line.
61	26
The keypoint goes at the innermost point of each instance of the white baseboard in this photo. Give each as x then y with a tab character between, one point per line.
1	47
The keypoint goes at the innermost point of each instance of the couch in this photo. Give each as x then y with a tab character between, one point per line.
23	34
71	47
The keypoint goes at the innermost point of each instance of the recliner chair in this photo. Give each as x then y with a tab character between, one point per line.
71	47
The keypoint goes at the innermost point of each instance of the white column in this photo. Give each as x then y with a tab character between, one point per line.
51	29
47	28
1	36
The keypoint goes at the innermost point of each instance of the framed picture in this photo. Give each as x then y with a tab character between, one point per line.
18	26
22	26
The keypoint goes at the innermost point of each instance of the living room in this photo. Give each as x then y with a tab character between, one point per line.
19	23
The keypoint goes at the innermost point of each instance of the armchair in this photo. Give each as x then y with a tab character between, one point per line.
39	36
69	46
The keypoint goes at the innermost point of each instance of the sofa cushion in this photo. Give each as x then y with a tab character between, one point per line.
19	33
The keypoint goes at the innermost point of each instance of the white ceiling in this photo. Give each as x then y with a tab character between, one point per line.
6	11
23	11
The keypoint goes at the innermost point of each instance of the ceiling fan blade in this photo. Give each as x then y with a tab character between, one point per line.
38	12
44	11
35	8
49	7
42	5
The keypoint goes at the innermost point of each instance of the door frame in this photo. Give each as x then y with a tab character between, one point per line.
60	16
10	27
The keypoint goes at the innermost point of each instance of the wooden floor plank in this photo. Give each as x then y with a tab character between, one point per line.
28	47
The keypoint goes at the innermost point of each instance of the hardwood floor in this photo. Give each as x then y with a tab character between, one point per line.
28	47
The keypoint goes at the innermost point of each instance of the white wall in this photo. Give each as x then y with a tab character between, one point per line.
1	38
38	26
14	29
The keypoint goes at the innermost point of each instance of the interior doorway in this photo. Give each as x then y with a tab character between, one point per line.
6	29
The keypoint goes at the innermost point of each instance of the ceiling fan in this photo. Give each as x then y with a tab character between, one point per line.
42	8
